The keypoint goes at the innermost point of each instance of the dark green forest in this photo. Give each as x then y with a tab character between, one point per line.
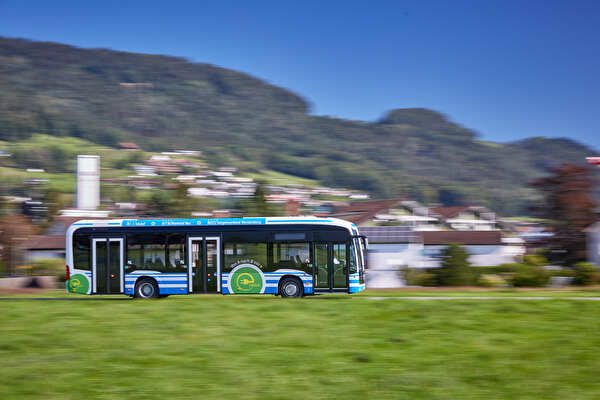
168	103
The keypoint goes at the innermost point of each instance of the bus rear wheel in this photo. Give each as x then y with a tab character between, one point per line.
146	289
290	287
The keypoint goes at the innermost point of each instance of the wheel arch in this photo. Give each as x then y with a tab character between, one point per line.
147	278
290	276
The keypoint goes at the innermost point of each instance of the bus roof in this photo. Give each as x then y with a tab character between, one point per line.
211	222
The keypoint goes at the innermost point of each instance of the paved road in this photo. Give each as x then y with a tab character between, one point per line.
481	298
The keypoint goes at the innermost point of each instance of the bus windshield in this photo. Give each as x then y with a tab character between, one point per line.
359	243
357	253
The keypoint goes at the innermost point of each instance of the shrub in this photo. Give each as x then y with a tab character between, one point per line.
491	280
418	277
409	275
50	266
486	270
509	268
536	260
562	272
529	276
586	274
427	279
455	270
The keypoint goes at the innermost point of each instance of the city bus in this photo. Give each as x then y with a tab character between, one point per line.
148	258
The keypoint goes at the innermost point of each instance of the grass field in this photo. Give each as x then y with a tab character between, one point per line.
251	347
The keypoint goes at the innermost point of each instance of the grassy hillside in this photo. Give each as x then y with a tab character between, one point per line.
56	156
216	347
162	102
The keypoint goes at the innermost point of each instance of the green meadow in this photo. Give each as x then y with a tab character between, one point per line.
320	347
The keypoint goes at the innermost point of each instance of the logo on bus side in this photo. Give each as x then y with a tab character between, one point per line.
78	284
246	277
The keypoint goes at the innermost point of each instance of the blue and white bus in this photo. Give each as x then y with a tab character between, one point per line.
287	256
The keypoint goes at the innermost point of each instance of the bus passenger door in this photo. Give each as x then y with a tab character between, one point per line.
330	271
321	267
107	265
340	253
204	264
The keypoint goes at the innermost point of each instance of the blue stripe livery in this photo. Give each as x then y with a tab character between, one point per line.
194	222
180	286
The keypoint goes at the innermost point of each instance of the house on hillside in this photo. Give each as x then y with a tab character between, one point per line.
389	212
128	146
466	218
417	216
485	248
52	243
535	234
45	246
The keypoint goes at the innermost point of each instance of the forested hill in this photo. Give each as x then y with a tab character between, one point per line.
163	102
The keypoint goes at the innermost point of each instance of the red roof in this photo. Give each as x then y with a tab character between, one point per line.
60	224
461	237
362	211
450	212
46	242
128	145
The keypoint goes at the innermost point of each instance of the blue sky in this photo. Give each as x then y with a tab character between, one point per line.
507	70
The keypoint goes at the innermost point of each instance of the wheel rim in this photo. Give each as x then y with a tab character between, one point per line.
290	289
147	290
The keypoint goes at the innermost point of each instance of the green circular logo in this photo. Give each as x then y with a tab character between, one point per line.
246	278
78	284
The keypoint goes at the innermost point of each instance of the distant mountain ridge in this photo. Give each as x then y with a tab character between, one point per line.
164	102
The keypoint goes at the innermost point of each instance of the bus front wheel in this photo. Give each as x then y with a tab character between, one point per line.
290	287
146	289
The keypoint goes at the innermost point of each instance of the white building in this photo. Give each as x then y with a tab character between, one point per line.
593	243
392	248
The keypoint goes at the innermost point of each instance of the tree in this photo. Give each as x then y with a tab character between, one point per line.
181	204
455	267
54	201
14	232
568	203
159	203
257	205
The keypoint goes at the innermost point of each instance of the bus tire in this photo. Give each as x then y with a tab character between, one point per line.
146	289
291	287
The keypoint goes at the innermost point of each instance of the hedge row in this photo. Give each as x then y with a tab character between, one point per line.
505	275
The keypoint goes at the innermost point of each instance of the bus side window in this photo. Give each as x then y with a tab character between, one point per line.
146	252
176	249
292	256
81	252
236	253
